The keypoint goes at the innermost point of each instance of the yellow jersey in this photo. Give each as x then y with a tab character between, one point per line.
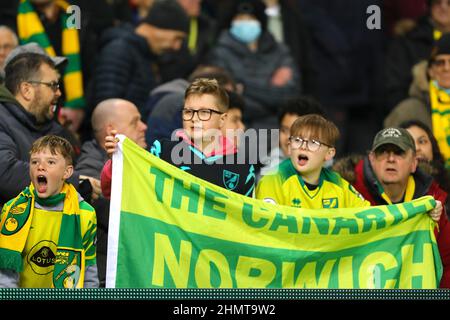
39	253
285	186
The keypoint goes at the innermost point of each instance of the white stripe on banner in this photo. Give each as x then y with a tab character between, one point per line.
114	214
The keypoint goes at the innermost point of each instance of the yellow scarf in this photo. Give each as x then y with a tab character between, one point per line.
440	118
30	29
409	193
15	225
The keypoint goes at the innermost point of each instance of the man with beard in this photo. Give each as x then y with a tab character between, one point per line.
27	106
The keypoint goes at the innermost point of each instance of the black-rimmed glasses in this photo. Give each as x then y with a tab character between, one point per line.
54	85
203	114
311	144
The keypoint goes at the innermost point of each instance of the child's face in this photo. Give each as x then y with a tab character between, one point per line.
48	172
203	130
309	156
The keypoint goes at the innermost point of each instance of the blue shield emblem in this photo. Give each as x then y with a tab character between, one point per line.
230	179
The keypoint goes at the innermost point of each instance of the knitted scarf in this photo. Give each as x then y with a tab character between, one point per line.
440	118
30	29
15	226
409	192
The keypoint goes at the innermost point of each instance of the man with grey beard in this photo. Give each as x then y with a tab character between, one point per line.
27	104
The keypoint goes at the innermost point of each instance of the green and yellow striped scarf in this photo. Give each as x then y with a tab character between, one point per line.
440	119
30	29
15	226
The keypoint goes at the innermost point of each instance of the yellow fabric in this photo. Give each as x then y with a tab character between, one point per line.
193	35
440	118
39	239
437	35
291	192
170	229
24	23
409	193
30	29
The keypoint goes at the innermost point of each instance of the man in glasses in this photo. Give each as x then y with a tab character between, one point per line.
429	99
27	106
302	181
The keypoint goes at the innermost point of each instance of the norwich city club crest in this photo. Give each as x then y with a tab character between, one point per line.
67	268
230	179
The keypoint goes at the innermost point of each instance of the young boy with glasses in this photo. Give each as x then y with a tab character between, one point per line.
302	181
200	148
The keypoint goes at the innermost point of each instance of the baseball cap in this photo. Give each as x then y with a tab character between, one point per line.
33	47
397	136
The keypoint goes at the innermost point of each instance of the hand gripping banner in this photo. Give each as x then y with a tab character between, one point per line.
169	229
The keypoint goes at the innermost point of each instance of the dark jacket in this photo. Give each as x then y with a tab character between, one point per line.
92	159
366	183
165	117
18	131
404	52
254	70
417	105
346	56
297	38
124	68
90	163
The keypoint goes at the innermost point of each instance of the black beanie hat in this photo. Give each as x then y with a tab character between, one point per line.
442	46
253	7
167	14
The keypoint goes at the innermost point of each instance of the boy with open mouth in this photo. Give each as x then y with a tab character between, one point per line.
48	232
301	180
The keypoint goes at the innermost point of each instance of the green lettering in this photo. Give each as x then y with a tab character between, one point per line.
288	221
254	272
344	223
180	191
247	216
309	277
413	210
395	211
159	182
370	216
211	202
306	226
322	224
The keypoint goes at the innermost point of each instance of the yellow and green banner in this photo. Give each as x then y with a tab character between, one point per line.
169	229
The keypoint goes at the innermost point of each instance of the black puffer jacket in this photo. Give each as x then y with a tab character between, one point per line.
18	131
124	68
